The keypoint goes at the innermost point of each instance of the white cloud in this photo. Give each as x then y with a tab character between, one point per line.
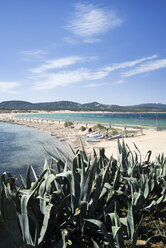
146	67
44	79
127	64
57	63
94	85
65	78
60	63
90	20
34	53
8	86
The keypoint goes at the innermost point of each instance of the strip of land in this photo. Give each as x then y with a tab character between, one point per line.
145	140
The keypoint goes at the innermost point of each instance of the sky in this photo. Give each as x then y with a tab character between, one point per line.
109	51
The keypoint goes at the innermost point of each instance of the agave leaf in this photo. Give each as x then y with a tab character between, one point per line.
119	147
23	217
46	168
72	150
116	179
135	234
66	174
38	182
147	187
95	245
115	221
124	225
86	191
34	173
64	154
8	221
45	222
118	237
155	203
149	153
103	192
75	185
137	200
24	220
83	151
43	203
36	223
84	174
103	228
130	222
96	195
53	156
42	188
66	167
61	243
94	153
61	207
138	152
83	210
23	181
49	180
28	177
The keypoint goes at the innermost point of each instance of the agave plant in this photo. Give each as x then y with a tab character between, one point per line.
81	202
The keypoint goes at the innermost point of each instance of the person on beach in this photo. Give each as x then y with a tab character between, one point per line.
90	130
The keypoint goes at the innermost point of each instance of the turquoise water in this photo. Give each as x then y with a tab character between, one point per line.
143	119
20	146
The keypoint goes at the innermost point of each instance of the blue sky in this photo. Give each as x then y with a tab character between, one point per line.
110	51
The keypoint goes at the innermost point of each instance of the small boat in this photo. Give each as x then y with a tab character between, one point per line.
91	134
92	140
94	135
115	137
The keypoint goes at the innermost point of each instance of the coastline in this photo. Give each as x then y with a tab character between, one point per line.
149	140
88	111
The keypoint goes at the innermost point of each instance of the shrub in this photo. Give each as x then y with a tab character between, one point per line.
68	124
82	128
81	202
100	127
114	131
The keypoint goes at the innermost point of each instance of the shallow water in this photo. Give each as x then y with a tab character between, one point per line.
142	119
20	146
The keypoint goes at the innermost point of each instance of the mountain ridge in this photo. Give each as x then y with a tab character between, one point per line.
70	105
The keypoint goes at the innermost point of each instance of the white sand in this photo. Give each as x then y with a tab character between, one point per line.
150	140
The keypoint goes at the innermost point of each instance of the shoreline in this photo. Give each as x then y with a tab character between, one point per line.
88	111
149	140
90	122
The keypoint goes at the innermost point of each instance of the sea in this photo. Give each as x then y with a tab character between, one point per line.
150	120
21	146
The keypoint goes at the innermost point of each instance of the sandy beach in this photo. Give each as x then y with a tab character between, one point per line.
148	140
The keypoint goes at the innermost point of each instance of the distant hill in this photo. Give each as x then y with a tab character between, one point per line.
151	106
69	105
16	105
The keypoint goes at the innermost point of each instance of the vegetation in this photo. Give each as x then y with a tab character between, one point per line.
82	128
115	131
104	130
68	124
100	127
82	202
